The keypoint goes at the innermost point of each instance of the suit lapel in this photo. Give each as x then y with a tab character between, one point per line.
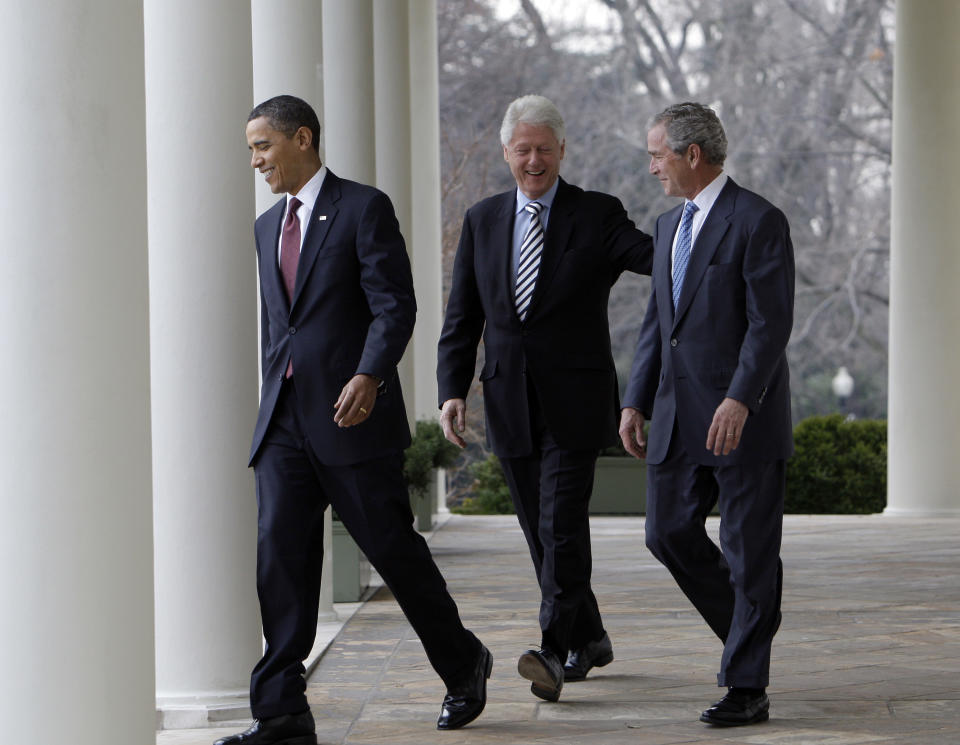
663	261
495	246
321	219
270	274
559	230
705	246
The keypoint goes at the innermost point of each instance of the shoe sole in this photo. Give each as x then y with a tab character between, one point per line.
547	694
763	716
599	662
542	684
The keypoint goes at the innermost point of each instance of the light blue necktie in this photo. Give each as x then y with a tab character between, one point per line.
529	267
681	257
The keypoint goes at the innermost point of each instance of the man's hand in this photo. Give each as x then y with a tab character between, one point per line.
631	432
727	426
453	419
356	400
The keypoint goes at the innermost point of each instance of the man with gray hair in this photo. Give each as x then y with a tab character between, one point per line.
532	277
711	371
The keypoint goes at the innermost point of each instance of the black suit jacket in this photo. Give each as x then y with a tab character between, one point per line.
353	312
563	345
728	336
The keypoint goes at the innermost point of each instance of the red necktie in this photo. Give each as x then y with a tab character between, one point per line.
290	247
290	255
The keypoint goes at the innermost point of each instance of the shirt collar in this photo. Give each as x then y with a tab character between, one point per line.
311	190
708	194
546	199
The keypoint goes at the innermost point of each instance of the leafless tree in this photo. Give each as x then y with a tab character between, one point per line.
804	90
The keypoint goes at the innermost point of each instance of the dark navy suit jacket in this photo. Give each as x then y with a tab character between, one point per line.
728	336
563	345
353	312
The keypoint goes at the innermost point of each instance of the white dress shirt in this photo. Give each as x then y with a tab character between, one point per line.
704	201
307	196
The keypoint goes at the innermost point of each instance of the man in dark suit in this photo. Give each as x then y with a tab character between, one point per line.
532	277
711	370
337	311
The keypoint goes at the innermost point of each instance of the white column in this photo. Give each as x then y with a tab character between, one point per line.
923	439
392	119
287	59
203	334
426	223
427	230
348	88
76	563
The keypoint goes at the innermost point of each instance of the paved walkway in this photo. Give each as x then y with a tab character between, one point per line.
869	649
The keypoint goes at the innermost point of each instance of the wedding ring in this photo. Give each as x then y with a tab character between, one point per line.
363	410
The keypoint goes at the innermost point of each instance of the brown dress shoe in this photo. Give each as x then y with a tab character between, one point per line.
543	668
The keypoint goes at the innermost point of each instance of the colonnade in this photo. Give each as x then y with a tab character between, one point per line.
128	289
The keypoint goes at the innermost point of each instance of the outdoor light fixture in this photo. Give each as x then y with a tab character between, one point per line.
842	386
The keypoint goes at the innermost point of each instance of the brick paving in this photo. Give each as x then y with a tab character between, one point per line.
869	649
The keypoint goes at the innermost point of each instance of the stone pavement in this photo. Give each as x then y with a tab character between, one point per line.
869	649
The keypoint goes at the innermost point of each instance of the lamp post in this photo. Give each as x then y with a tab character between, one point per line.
842	384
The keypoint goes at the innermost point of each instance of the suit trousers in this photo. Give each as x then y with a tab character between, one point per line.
293	489
737	587
551	491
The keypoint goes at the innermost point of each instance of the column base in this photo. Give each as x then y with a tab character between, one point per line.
196	712
233	707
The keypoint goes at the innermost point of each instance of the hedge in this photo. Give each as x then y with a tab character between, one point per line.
838	467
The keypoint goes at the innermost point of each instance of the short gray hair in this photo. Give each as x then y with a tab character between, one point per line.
534	110
689	124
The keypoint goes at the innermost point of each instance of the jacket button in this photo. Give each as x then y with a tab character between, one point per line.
292	330
674	342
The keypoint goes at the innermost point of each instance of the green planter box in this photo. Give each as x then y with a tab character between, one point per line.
351	569
619	487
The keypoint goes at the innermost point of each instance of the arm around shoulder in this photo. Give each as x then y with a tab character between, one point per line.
629	248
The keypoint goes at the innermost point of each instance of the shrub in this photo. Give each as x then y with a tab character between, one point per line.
490	494
838	467
428	449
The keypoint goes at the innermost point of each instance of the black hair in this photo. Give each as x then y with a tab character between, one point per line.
287	114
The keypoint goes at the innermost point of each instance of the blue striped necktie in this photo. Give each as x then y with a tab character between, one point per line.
530	250
681	257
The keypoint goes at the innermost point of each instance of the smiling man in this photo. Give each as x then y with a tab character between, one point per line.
711	370
532	277
337	310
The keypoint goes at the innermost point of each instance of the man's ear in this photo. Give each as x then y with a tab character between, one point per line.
694	155
304	138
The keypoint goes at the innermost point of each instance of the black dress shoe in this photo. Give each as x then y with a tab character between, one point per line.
463	703
288	729
581	661
738	708
543	668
